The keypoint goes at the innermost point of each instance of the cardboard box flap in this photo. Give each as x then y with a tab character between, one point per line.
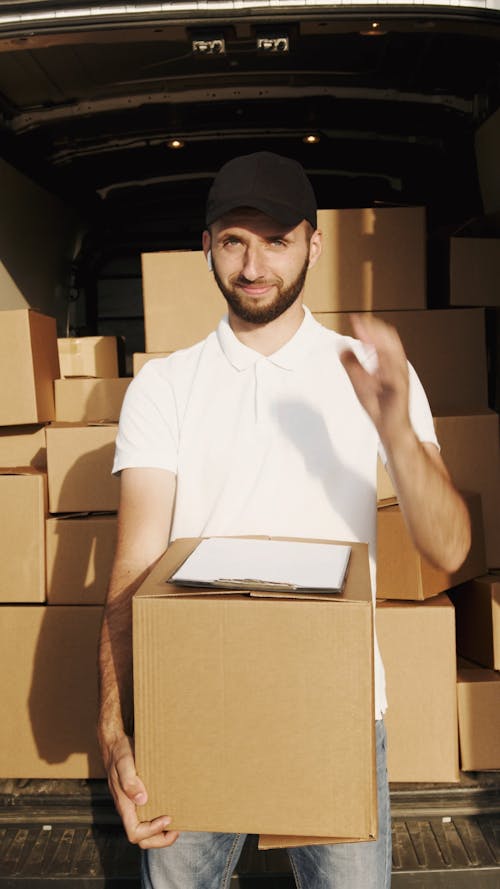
356	588
20	470
270	841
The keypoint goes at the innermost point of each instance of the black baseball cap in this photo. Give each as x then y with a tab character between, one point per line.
275	185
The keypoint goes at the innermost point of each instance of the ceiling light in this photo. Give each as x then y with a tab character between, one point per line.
374	30
311	139
175	143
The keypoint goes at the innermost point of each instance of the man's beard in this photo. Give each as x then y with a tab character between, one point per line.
245	307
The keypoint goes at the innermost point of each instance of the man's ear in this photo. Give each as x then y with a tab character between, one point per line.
315	247
206	241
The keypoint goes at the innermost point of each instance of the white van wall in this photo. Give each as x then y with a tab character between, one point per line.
39	236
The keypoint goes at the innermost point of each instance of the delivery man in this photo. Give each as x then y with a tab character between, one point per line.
272	426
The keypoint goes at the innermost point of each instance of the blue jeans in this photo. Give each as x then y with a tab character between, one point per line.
208	860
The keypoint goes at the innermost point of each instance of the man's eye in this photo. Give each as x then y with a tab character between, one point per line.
231	241
277	242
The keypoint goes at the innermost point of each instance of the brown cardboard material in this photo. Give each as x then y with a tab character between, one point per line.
477	615
182	303
402	573
474	271
29	364
79	464
447	348
417	643
23	507
479	718
139	359
48	688
23	446
88	356
295	664
79	552
469	447
373	259
385	488
89	400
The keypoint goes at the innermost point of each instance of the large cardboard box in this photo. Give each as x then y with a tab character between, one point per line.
474	271
48	688
417	644
182	303
447	348
88	356
79	464
477	614
29	364
79	552
23	507
470	449
89	400
373	259
403	573
479	718
23	446
264	704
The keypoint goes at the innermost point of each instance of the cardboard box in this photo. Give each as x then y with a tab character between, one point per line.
29	364
474	271
88	400
469	447
23	499
139	359
447	348
182	303
372	259
479	718
88	356
79	464
402	573
417	644
23	446
80	551
477	615
48	688
306	733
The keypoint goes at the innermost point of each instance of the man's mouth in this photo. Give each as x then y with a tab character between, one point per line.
258	289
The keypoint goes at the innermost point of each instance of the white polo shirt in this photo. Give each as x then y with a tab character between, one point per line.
274	445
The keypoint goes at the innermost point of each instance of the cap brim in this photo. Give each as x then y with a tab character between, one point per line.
271	208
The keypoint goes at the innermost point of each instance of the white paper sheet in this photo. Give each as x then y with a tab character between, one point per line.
235	562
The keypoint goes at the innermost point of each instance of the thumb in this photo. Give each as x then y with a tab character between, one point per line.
130	782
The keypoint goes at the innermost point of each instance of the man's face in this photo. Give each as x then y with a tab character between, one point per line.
259	266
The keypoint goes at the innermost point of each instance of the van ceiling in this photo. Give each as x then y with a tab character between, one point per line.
89	104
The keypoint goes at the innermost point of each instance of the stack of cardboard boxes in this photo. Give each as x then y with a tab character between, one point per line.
58	416
58	514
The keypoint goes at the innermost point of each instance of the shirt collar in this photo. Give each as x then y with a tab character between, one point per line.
287	357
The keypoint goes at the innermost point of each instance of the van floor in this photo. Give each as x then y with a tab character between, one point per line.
66	833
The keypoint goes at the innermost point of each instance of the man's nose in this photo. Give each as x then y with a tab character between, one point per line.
253	263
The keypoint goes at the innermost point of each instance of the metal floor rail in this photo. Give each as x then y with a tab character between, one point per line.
66	833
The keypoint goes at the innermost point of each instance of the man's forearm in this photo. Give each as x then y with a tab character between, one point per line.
116	716
115	675
435	512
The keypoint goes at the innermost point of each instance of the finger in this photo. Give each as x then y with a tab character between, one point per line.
140	832
155	833
160	841
361	380
129	780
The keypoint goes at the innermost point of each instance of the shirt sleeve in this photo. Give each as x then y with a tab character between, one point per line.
420	413
148	429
